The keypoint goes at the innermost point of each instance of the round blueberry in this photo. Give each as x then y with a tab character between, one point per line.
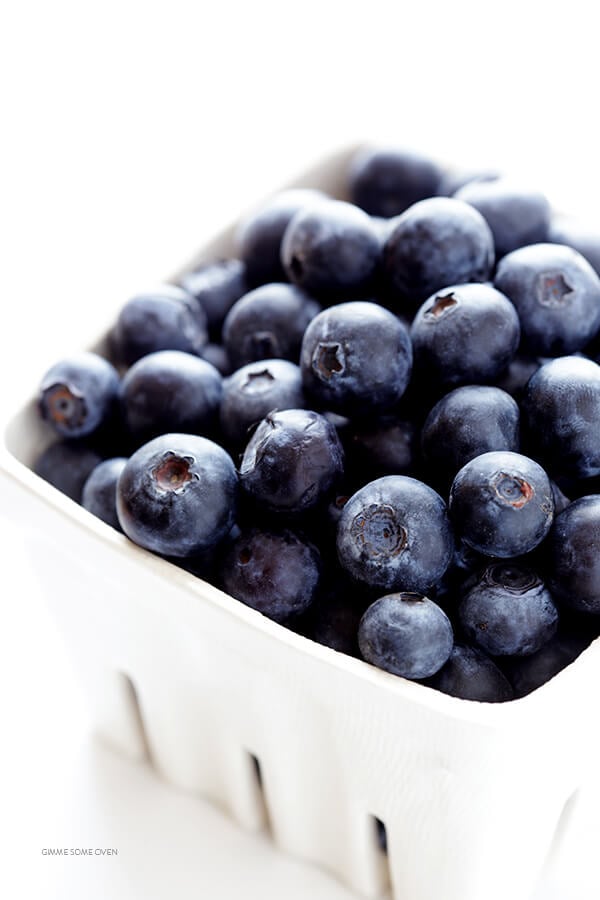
573	555
66	465
256	390
356	358
100	490
292	461
557	295
471	675
465	334
276	573
385	182
177	495
79	395
406	634
562	409
216	286
578	235
331	250
508	611
268	323
171	391
165	319
516	217
501	504
435	243
394	534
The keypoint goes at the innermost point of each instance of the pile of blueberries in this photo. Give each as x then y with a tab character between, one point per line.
378	424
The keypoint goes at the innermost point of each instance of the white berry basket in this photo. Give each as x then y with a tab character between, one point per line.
473	795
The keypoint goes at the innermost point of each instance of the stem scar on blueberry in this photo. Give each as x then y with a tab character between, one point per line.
553	289
511	490
411	597
377	532
64	405
258	381
172	474
442	304
328	360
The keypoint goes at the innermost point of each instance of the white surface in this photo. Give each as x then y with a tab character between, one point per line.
119	156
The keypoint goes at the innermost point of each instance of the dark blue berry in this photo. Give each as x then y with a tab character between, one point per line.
177	495
171	391
573	555
268	323
292	461
216	286
276	573
79	395
465	334
394	534
331	250
471	675
406	634
100	491
557	295
385	182
435	243
501	504
255	390
66	465
356	359
508	611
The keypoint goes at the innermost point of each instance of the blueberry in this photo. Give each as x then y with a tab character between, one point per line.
216	355
255	390
177	495
79	395
382	447
527	673
471	675
406	634
216	286
465	334
292	461
394	534
517	217
66	465
100	490
385	182
508	611
573	555
260	236
356	358
435	243
268	323
464	424
171	391
166	319
562	410
276	573
501	504
331	250
557	295
581	237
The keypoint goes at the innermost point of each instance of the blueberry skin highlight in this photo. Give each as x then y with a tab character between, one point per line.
508	611
78	395
465	334
292	461
170	391
464	424
276	573
406	634
502	504
268	323
167	318
573	555
260	236
394	534
216	286
66	465
100	491
256	390
471	675
561	410
557	295
177	495
516	217
385	182
435	243
356	359
331	250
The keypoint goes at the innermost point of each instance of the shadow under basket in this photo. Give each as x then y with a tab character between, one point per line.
287	734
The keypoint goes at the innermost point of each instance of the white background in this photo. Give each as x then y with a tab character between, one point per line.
130	132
